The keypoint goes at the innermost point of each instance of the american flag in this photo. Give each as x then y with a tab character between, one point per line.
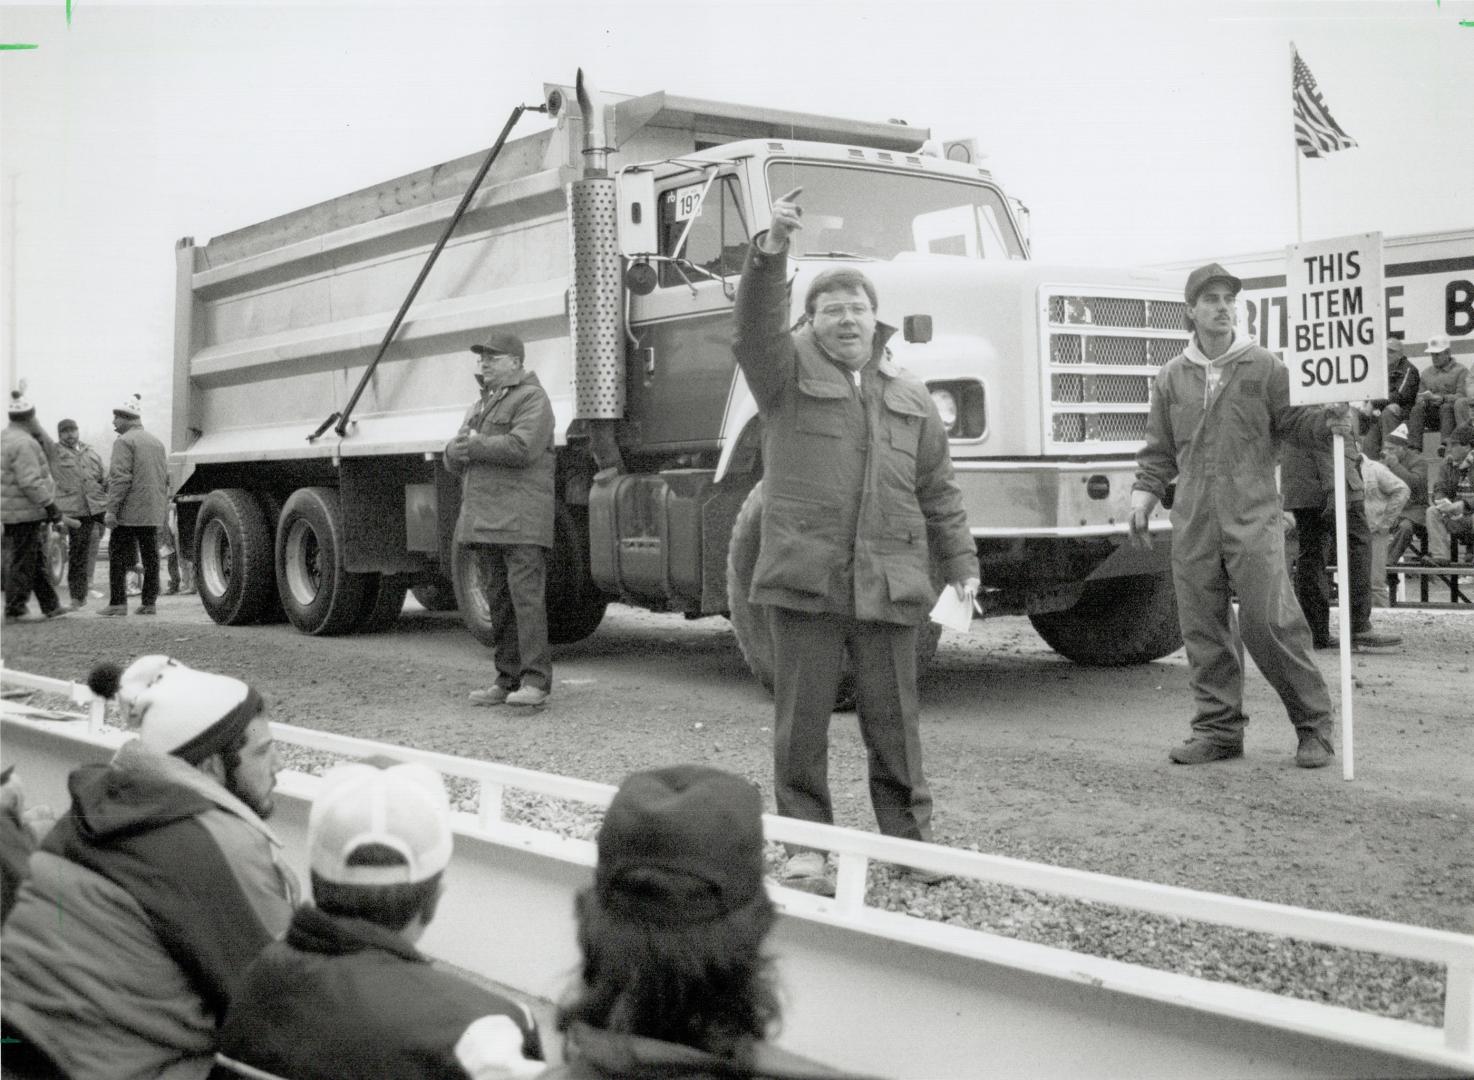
1316	134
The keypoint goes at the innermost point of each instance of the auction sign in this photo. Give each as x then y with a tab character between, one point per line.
1337	348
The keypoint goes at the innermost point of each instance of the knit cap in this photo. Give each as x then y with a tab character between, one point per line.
1399	434
132	407
177	709
681	844
404	808
20	406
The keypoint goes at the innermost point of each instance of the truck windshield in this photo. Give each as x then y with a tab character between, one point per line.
878	214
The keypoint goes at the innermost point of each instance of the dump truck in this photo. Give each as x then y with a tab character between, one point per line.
310	418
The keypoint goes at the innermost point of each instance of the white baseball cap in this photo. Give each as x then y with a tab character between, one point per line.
403	808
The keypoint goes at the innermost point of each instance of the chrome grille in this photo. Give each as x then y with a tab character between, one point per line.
1103	354
1065	349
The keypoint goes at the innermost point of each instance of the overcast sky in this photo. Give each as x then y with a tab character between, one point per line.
1136	132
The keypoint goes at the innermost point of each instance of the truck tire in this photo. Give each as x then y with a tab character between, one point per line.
750	621
271	610
319	595
235	569
54	546
386	601
1116	621
436	595
574	605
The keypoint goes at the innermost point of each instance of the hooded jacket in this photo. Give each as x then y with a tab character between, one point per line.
26	487
594	1054
1221	445
144	906
858	490
81	480
507	490
344	997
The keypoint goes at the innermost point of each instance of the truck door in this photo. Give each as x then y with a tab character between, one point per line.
681	370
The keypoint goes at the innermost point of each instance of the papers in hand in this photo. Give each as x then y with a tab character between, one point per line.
951	612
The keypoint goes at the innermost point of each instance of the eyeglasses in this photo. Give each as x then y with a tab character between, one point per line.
839	311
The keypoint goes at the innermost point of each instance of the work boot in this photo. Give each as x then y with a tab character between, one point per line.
807	872
492	695
1373	639
527	696
79	603
1200	751
113	610
147	609
58	612
1332	642
1314	750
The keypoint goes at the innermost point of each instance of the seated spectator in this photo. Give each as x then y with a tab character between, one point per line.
1451	510
1386	495
1444	397
1384	414
157	887
674	979
1409	467
346	994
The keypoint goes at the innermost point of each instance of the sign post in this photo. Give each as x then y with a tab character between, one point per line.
1337	354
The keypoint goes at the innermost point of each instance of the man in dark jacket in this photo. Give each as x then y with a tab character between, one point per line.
857	492
504	455
161	883
675	984
1402	395
81	493
1408	466
137	507
346	993
1219	412
1307	484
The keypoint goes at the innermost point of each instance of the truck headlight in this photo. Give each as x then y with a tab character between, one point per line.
963	407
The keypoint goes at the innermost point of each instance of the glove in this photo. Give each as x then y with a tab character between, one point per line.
1137	528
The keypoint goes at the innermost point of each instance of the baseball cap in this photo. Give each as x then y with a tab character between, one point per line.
1199	278
404	808
501	341
1438	343
694	833
1398	434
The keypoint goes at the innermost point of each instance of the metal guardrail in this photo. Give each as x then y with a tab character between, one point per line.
879	991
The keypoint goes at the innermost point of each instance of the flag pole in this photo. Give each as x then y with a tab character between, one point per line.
1295	149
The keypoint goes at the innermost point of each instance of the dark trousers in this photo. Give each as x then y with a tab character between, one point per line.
1426	414
808	650
129	546
1316	532
515	576
82	544
25	568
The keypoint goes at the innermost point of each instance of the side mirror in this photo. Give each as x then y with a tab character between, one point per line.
916	329
637	213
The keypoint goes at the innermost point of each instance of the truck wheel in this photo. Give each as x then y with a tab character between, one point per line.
575	604
234	568
386	601
271	504
1116	621
436	595
54	555
319	595
750	621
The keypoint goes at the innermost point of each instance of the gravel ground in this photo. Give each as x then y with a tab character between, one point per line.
1029	757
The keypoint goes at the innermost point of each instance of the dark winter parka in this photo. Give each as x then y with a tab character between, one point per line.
857	481
507	490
